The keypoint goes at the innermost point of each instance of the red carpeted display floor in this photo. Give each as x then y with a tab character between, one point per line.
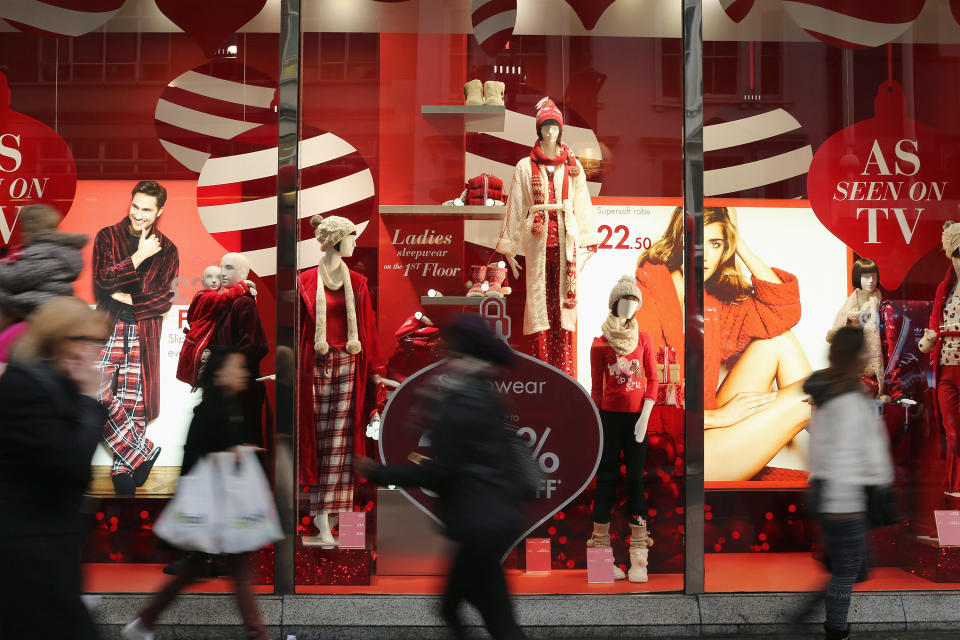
726	572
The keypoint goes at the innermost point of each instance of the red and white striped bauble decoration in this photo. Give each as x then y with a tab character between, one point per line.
854	24
737	10
203	107
493	23
763	155
589	11
237	193
58	18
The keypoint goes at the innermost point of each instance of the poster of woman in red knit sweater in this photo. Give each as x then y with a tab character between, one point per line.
753	363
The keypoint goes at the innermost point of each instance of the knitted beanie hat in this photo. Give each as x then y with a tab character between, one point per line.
950	237
331	230
547	110
626	286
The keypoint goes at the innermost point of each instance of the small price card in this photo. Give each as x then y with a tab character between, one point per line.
538	555
600	564
353	530
948	527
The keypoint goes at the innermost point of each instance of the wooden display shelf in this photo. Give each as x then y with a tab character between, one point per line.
476	117
465	212
450	301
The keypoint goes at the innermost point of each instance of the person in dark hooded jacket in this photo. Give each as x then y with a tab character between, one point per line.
44	269
471	472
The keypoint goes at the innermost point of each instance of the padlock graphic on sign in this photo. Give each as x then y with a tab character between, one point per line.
494	309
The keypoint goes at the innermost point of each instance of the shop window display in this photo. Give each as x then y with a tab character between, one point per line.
459	159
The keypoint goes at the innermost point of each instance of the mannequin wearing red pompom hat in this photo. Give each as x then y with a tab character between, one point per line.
550	217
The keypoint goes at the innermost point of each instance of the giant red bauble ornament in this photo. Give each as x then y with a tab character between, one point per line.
210	23
564	438
237	193
589	11
493	23
58	18
737	9
885	186
217	101
36	167
854	24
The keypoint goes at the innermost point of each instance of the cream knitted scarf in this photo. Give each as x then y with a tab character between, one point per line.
622	333
320	344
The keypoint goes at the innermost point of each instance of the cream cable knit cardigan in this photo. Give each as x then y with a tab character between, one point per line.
868	310
575	219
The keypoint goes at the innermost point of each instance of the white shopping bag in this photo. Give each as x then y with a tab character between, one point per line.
190	520
249	513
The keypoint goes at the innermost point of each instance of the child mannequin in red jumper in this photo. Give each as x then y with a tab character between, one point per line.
205	310
624	374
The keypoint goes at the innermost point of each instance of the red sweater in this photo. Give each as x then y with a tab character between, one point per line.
773	309
660	314
205	310
622	382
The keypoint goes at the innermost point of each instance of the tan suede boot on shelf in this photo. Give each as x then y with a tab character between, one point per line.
473	92
493	92
601	538
478	277
640	543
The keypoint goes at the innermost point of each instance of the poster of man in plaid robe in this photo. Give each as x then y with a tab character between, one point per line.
133	269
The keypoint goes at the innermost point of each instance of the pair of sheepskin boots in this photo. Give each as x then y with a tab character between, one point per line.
489	92
640	543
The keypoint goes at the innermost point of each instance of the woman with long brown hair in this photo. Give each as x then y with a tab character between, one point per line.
849	452
747	337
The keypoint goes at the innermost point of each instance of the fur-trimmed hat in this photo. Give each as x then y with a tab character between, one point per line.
950	237
331	230
547	110
626	286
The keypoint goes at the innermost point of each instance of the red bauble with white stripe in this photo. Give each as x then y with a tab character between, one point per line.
210	23
218	101
58	18
760	154
237	193
737	9
854	24
493	23
589	11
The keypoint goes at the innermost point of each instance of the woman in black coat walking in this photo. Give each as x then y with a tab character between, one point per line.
218	425
49	428
471	470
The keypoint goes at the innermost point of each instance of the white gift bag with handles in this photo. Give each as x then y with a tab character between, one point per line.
190	520
250	518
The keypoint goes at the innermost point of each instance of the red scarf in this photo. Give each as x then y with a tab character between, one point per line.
564	155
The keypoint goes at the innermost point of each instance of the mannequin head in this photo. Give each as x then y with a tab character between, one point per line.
549	122
625	297
211	277
234	268
549	132
335	233
626	307
865	275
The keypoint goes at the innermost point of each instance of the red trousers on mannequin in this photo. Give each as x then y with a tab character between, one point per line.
948	399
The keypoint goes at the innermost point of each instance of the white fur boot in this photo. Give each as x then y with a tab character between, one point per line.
640	542
601	538
473	92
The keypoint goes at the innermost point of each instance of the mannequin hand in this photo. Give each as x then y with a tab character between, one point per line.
393	384
514	265
640	429
928	341
252	286
583	257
